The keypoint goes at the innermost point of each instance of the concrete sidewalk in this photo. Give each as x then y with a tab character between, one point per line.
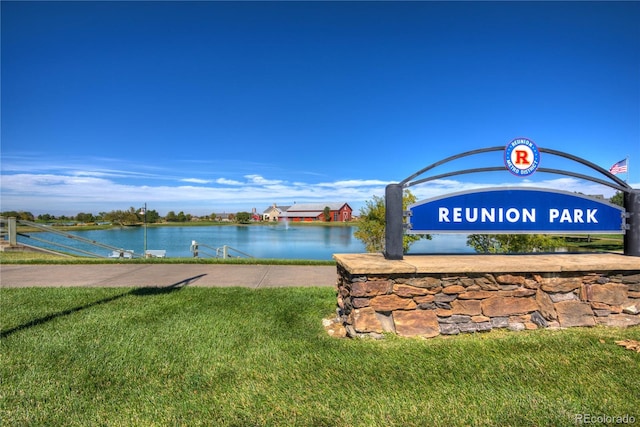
165	275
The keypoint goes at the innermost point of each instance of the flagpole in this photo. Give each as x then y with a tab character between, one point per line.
627	180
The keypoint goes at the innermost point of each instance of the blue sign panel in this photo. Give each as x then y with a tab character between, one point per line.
515	210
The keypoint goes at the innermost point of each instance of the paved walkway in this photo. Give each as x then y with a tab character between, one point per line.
166	275
265	276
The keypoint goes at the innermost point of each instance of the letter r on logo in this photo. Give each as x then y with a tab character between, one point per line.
522	157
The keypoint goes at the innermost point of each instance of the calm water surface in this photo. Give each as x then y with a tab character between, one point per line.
260	241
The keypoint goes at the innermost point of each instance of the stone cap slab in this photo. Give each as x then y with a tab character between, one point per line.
371	263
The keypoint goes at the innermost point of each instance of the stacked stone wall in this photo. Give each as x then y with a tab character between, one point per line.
429	305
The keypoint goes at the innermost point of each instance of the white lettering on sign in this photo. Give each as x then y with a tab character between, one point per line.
573	216
486	215
513	215
443	215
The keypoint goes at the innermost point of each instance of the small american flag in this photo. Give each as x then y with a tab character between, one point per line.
619	167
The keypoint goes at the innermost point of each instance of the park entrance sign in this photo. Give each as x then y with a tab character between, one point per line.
512	210
515	210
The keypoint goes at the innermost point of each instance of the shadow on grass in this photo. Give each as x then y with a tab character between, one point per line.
147	291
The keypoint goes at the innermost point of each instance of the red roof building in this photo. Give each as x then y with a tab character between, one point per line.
339	211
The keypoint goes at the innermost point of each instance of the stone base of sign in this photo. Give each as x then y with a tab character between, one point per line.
433	295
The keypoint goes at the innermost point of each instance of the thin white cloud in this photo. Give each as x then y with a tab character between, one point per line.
260	180
196	180
225	181
110	173
92	166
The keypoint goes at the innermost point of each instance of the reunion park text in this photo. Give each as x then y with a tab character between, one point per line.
514	215
515	210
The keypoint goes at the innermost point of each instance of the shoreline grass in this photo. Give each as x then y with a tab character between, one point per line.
236	357
44	258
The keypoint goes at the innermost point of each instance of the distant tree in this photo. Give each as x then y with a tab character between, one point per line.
327	213
618	198
21	215
85	217
122	217
46	217
171	217
153	216
114	217
133	216
180	217
243	217
482	243
371	226
512	243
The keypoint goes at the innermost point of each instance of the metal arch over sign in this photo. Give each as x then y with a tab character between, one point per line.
515	210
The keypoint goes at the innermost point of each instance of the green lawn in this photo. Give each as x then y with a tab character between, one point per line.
597	242
241	357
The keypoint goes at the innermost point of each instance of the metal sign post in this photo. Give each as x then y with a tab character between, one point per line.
632	235
394	230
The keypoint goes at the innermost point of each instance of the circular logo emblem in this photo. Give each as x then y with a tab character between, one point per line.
521	157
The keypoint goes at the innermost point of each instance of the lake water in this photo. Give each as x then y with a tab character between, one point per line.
259	241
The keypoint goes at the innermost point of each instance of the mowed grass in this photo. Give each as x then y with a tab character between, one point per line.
242	357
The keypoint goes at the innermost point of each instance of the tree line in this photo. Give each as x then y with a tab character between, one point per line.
127	217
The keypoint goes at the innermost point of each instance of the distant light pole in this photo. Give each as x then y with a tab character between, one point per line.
144	212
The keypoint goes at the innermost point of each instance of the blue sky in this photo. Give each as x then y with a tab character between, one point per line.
207	107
